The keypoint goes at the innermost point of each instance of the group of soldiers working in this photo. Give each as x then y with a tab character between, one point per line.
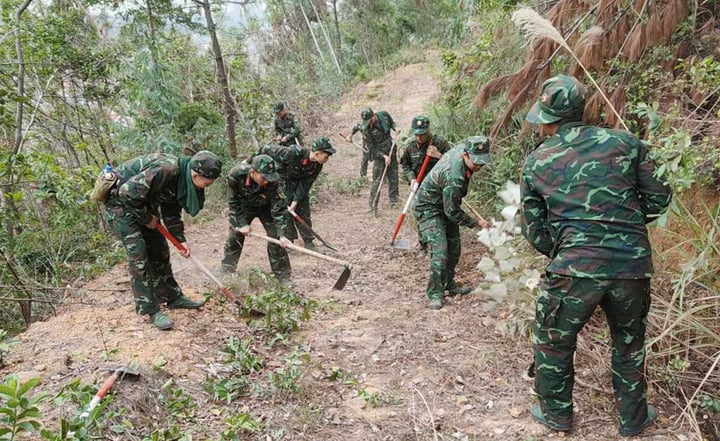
587	194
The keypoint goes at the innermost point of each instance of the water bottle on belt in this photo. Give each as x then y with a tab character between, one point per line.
107	172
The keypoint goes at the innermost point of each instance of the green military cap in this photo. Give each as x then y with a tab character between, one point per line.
265	165
478	148
278	107
206	164
420	125
562	97
323	145
366	115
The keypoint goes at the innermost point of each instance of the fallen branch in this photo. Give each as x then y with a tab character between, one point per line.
432	420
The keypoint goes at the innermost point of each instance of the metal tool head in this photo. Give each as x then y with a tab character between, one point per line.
401	244
342	280
122	371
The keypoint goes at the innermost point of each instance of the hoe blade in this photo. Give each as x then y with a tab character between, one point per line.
342	280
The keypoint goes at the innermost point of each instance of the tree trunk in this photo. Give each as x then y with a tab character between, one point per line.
20	78
337	31
312	34
327	39
221	75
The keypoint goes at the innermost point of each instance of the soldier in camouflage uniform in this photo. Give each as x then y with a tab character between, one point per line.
151	187
424	144
254	192
287	128
439	215
377	139
299	167
587	193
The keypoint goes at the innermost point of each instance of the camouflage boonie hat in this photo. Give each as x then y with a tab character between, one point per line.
478	148
366	116
562	97
420	125
323	145
206	164
265	165
278	107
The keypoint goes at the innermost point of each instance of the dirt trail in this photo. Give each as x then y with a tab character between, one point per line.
444	374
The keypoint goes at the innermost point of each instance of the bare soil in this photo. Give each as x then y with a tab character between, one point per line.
445	374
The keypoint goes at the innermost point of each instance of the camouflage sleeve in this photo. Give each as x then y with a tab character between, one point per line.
295	131
654	194
441	144
304	185
278	211
406	163
172	218
278	129
534	215
356	128
237	216
453	193
135	193
391	122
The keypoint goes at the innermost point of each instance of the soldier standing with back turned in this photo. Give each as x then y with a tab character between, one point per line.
377	139
587	193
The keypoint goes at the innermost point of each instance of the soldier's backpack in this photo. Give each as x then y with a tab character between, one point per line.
103	186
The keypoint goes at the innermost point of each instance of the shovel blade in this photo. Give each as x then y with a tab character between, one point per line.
342	280
401	244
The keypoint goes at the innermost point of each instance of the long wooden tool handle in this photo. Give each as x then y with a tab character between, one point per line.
414	185
350	141
300	249
474	211
226	292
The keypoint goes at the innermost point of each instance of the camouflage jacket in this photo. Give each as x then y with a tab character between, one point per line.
414	155
288	126
247	199
587	193
297	169
443	189
377	139
148	186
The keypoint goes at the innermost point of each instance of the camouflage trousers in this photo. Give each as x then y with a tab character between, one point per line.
443	239
422	244
364	164
278	256
563	307
391	178
293	227
148	262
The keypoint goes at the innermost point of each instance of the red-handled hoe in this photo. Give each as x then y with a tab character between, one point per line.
404	244
226	292
307	227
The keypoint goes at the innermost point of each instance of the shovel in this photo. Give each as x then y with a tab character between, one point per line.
305	225
226	292
118	374
382	179
414	185
341	281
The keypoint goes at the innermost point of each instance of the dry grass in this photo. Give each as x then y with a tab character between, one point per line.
629	29
490	89
589	51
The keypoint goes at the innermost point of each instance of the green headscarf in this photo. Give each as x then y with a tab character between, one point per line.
190	198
